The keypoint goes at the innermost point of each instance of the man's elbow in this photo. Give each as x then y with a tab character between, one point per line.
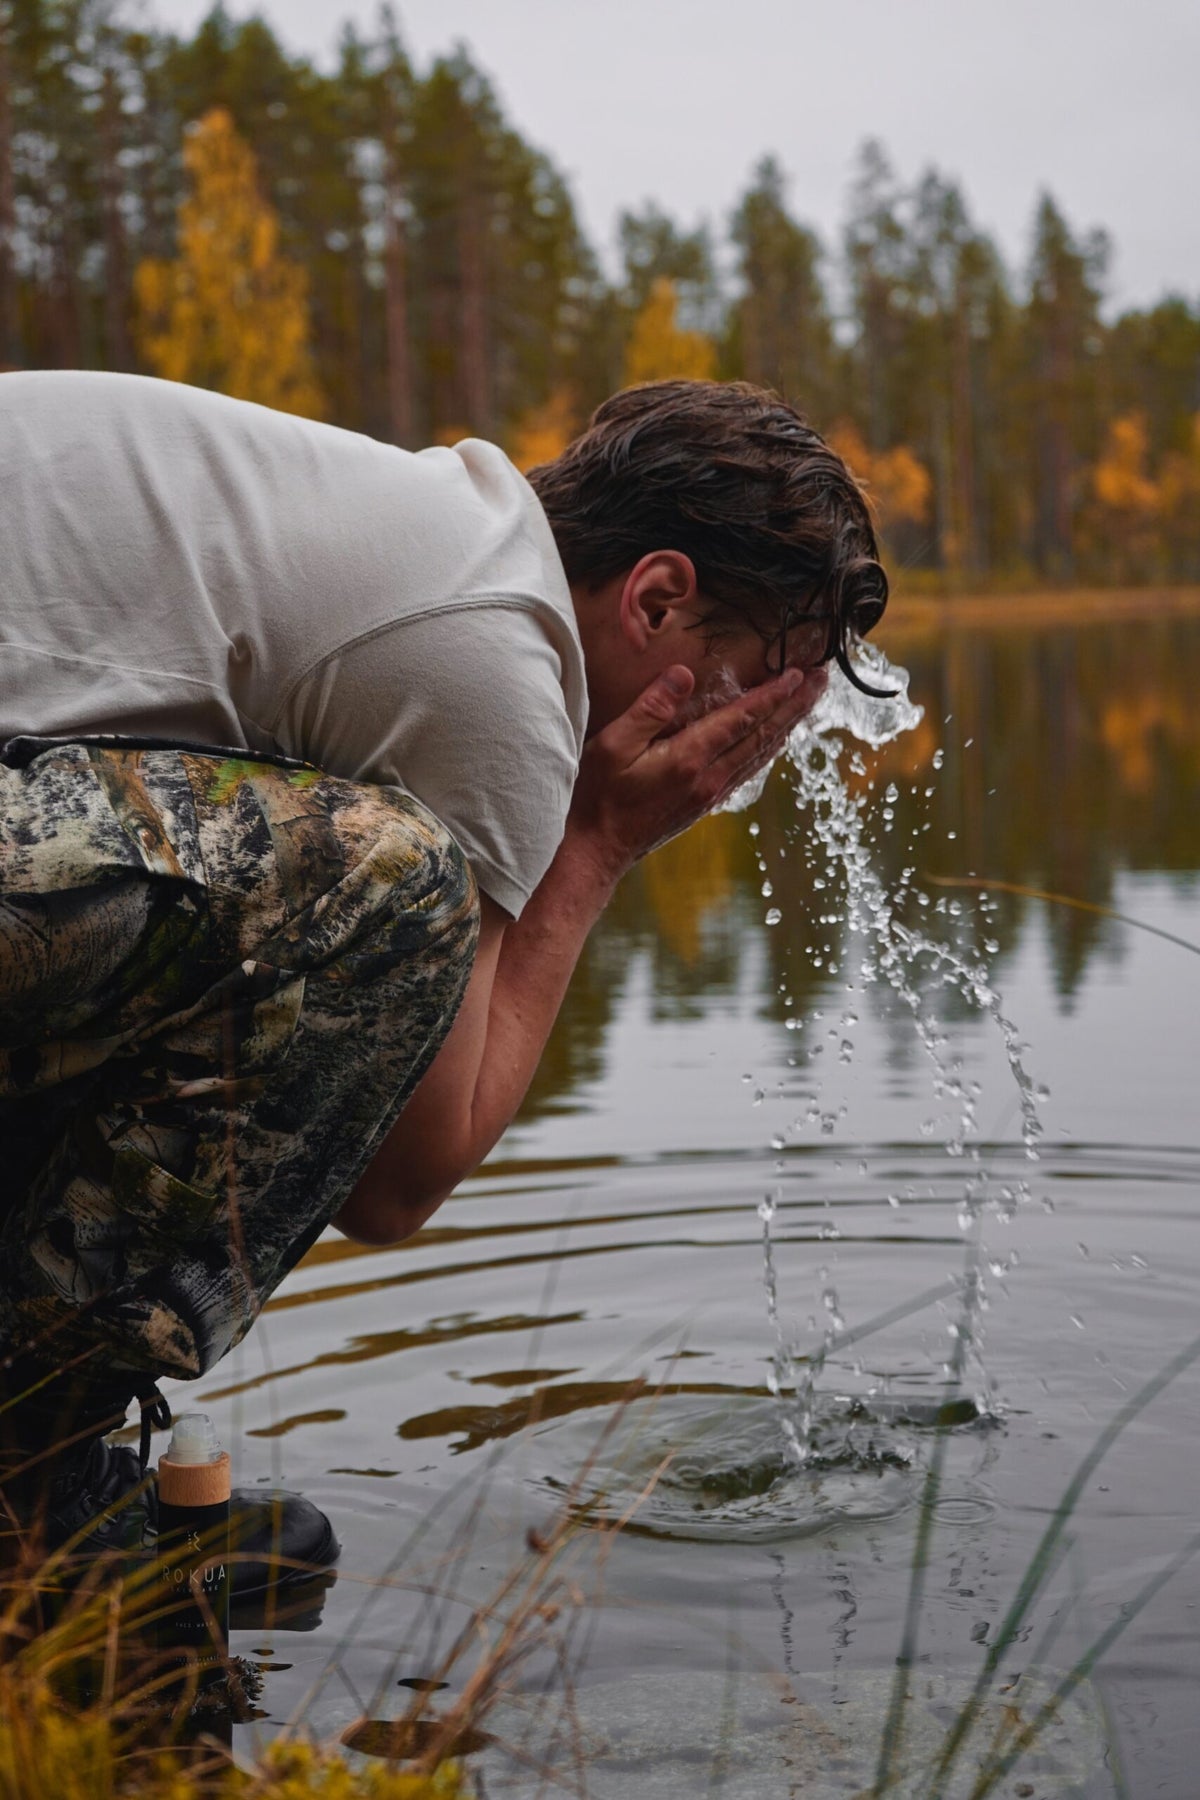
379	1220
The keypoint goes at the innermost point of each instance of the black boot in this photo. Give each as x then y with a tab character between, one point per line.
69	1490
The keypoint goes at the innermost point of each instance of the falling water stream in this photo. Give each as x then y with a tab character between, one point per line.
863	1435
800	1459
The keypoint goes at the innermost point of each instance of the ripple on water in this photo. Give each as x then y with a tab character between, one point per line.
697	1467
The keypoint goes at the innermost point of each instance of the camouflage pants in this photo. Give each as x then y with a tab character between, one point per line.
220	979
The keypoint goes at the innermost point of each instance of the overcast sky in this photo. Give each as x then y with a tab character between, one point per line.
675	100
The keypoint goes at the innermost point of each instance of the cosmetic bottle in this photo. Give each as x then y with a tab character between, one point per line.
193	1540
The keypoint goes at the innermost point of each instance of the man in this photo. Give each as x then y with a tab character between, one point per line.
307	976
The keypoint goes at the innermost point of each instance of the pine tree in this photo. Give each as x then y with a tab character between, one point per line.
952	284
784	332
653	249
1065	337
230	312
876	254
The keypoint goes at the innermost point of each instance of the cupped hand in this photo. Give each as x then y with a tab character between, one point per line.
647	777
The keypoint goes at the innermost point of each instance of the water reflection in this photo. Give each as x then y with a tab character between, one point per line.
444	1398
1071	757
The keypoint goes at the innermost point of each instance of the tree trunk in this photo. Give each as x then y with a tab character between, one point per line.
399	363
10	327
116	263
473	332
963	436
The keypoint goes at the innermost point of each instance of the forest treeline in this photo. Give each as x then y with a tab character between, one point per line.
381	247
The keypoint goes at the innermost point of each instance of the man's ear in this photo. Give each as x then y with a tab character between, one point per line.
657	592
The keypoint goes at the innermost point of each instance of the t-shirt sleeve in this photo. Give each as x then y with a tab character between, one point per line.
464	708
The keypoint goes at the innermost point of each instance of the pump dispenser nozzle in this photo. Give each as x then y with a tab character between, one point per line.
194	1440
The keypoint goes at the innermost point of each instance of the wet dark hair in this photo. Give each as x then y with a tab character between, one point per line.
775	524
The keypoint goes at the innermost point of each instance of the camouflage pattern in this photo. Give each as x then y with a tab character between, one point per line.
220	979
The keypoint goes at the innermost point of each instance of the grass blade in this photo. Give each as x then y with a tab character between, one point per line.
1046	1553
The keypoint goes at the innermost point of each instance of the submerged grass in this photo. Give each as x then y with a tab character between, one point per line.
87	1711
1009	1744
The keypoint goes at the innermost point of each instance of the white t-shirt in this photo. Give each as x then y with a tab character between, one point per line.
179	564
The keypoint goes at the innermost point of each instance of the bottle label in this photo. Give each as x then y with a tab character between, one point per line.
193	1563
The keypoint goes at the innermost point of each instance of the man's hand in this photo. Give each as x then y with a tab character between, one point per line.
646	777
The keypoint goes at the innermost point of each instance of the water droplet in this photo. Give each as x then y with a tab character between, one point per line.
773	915
766	890
939	757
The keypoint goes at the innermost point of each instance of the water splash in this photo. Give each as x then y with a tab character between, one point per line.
844	708
906	960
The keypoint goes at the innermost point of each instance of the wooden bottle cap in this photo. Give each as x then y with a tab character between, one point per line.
194	1484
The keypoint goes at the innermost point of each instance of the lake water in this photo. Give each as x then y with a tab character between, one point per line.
440	1399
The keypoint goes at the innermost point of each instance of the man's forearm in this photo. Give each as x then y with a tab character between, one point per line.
472	1090
537	959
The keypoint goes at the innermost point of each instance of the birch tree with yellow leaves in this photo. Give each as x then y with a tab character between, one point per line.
230	311
898	484
658	349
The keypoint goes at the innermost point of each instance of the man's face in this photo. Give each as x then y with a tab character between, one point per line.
740	658
647	619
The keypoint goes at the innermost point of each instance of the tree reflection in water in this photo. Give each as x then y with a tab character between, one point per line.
1071	757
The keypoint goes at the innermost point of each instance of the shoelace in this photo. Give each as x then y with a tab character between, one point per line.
155	1412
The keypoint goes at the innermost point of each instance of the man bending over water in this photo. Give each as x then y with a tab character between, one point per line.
318	761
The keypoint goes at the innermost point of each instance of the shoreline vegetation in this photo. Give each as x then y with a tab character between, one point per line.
912	614
378	245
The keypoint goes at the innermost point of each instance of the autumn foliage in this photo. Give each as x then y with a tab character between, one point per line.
659	348
230	311
1133	515
899	486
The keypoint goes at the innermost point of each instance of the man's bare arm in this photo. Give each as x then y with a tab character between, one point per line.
636	789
